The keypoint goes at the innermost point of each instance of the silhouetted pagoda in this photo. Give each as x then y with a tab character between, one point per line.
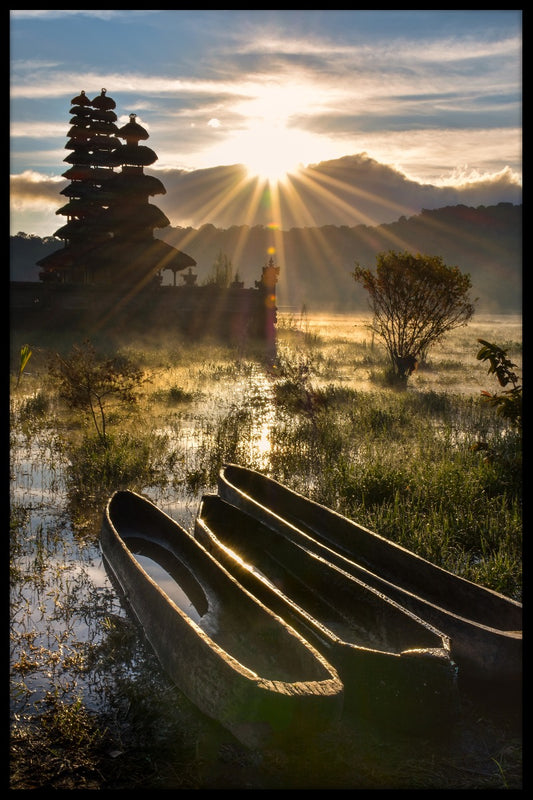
109	233
108	274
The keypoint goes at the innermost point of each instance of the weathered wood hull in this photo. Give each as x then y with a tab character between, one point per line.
231	656
484	627
396	669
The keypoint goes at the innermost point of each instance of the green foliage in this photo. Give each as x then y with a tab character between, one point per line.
178	395
231	439
98	468
88	382
294	387
415	300
509	402
403	464
33	409
25	355
174	395
400	463
70	725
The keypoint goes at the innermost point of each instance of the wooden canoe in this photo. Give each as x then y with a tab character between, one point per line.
229	654
396	669
484	627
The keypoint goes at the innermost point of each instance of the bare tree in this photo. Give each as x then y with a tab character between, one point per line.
221	272
416	300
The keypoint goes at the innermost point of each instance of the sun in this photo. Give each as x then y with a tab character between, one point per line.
270	153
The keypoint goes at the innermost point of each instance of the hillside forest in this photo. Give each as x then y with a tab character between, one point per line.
316	263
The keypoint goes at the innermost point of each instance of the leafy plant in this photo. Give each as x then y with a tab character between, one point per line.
416	300
89	382
294	388
509	402
25	355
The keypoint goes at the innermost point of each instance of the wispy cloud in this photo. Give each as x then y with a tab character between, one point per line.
42	14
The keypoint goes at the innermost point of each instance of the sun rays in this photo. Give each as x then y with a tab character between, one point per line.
294	202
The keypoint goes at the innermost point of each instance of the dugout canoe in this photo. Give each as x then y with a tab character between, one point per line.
396	669
229	654
484	626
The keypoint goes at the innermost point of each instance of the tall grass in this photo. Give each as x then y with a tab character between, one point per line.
436	473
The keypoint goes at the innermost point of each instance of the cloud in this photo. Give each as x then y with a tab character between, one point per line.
37	14
351	190
347	191
31	189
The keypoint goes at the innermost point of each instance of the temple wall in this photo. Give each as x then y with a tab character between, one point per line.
194	310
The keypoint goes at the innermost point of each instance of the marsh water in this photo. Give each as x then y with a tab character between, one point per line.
71	635
172	577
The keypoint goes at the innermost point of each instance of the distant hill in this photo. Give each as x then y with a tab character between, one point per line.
316	263
25	251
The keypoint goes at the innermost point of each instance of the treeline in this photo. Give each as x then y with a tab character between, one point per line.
25	250
316	263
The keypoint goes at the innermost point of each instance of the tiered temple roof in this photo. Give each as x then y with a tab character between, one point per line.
109	233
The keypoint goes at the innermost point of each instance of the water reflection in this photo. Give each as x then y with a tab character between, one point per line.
240	413
171	576
61	595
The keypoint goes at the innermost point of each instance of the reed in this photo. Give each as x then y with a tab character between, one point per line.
412	469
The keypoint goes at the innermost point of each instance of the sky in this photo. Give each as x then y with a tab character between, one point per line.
434	97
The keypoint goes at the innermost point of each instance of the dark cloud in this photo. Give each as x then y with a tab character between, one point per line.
352	190
30	188
345	191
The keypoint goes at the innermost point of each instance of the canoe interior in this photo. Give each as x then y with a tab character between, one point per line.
208	596
171	575
365	550
396	669
341	604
